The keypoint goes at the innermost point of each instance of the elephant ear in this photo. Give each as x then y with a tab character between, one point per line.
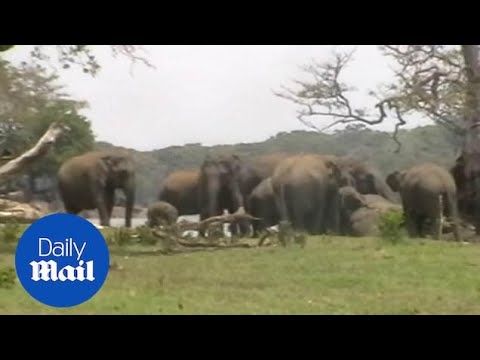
393	180
117	164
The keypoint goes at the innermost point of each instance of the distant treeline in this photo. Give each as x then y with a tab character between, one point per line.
428	143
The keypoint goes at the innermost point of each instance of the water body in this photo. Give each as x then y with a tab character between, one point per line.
119	222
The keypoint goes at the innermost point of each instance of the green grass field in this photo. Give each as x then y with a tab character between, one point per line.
329	276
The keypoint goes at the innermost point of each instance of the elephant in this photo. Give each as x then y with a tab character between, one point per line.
306	193
227	181
218	186
467	193
180	189
360	214
261	204
428	193
89	181
161	213
252	172
367	179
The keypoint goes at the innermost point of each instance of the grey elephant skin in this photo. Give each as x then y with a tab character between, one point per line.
261	204
360	214
89	181
306	193
180	189
161	213
226	182
428	192
365	178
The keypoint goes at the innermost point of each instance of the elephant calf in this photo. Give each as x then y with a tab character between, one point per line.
428	192
261	204
360	213
161	213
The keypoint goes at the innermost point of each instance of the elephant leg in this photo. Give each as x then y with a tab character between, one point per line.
420	223
244	228
280	204
70	209
100	200
411	224
203	230
437	228
299	219
109	201
257	227
332	214
233	227
318	224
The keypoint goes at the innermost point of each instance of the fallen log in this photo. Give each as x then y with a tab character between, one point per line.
187	225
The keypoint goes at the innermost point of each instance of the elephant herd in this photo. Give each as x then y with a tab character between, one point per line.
316	194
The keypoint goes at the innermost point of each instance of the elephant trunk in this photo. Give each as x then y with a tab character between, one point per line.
130	202
386	192
213	188
237	196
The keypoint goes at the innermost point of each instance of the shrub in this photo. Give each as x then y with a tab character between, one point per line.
391	226
10	233
7	278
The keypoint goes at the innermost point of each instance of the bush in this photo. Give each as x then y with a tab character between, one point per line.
391	226
10	233
7	278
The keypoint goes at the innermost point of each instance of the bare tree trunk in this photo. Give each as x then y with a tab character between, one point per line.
13	167
471	151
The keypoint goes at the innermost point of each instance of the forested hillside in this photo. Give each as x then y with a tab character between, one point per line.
429	143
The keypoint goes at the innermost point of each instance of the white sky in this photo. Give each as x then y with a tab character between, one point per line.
210	94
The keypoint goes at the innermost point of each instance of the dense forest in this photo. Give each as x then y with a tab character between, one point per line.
428	143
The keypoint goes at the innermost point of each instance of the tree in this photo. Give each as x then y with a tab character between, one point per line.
76	141
439	82
22	90
80	55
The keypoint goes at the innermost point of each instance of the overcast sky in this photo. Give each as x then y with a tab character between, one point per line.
215	94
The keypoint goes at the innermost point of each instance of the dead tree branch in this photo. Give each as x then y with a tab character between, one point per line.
185	226
428	80
37	151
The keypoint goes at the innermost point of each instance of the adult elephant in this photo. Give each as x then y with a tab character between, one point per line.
428	192
261	204
366	179
180	188
226	182
89	181
219	186
306	193
252	172
360	214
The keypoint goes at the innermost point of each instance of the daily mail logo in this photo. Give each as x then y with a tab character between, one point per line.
62	260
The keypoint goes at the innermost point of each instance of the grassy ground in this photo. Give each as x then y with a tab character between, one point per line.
328	276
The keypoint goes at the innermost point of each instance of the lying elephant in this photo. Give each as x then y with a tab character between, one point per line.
360	213
161	213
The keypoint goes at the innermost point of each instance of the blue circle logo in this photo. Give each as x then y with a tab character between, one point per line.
62	260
